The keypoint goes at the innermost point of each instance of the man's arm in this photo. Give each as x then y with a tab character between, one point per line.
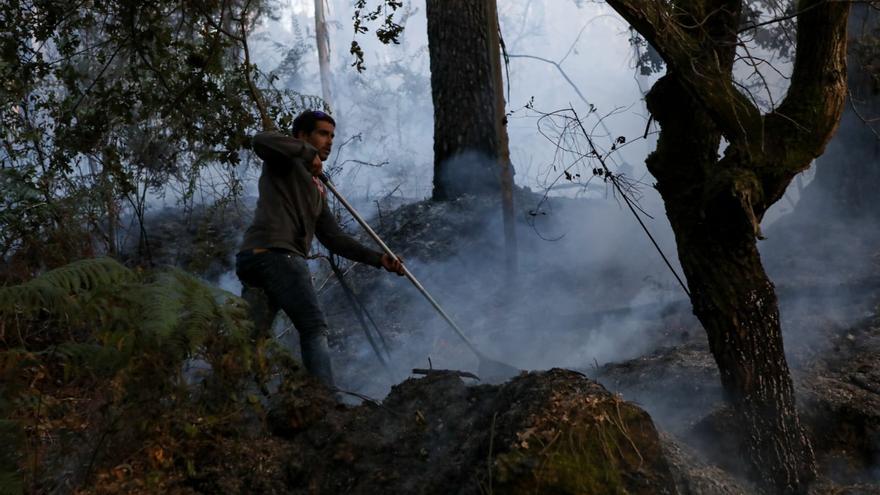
328	232
274	147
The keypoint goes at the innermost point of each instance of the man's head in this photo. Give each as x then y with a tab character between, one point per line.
316	128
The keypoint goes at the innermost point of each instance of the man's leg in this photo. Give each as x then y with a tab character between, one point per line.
288	285
249	268
261	311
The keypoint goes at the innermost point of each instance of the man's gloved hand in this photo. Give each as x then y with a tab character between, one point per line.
392	265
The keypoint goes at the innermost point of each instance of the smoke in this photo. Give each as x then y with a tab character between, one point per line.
385	114
591	290
592	294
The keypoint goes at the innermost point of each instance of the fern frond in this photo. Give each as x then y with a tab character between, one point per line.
86	275
160	303
57	291
202	310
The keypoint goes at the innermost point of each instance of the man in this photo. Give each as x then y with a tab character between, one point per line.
291	210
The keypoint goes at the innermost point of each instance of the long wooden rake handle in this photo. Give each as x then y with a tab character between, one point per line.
406	271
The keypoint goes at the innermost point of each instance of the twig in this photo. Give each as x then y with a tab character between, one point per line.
369	399
628	202
852	104
362	316
433	372
491	446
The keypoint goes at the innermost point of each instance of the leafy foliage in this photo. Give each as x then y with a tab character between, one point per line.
106	103
99	359
388	32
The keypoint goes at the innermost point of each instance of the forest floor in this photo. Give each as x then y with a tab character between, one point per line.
649	349
595	302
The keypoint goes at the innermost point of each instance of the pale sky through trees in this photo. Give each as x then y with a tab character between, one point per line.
600	63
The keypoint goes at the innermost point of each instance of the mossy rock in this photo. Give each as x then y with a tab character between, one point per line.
580	439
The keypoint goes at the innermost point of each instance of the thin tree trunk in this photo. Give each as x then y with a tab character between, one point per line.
323	41
494	48
106	182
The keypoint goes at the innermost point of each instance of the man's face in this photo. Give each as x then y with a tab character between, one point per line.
321	138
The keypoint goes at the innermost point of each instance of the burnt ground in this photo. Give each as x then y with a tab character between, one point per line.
658	356
829	302
596	302
553	432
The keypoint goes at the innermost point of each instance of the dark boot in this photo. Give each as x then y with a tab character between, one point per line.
316	358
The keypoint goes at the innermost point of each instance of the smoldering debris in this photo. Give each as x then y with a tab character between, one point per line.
678	384
695	476
610	310
838	394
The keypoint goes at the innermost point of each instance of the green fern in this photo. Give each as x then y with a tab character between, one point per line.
56	292
134	330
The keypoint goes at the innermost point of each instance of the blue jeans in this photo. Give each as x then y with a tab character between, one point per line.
285	280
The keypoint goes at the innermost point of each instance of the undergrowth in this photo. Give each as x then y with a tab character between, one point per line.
115	380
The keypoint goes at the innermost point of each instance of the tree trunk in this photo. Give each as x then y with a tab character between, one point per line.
322	39
503	144
464	90
731	294
715	206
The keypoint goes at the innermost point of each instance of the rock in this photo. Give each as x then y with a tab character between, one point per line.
693	476
841	398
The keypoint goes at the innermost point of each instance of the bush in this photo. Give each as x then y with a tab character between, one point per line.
109	375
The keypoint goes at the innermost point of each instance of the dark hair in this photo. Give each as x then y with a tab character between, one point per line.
306	121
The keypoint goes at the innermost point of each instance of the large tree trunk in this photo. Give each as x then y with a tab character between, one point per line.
731	294
715	206
467	143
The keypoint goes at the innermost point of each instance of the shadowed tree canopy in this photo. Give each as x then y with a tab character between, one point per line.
104	104
715	203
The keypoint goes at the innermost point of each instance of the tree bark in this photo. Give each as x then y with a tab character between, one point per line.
467	142
731	294
494	47
715	206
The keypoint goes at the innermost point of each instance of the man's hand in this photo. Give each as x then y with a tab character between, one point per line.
392	265
317	166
